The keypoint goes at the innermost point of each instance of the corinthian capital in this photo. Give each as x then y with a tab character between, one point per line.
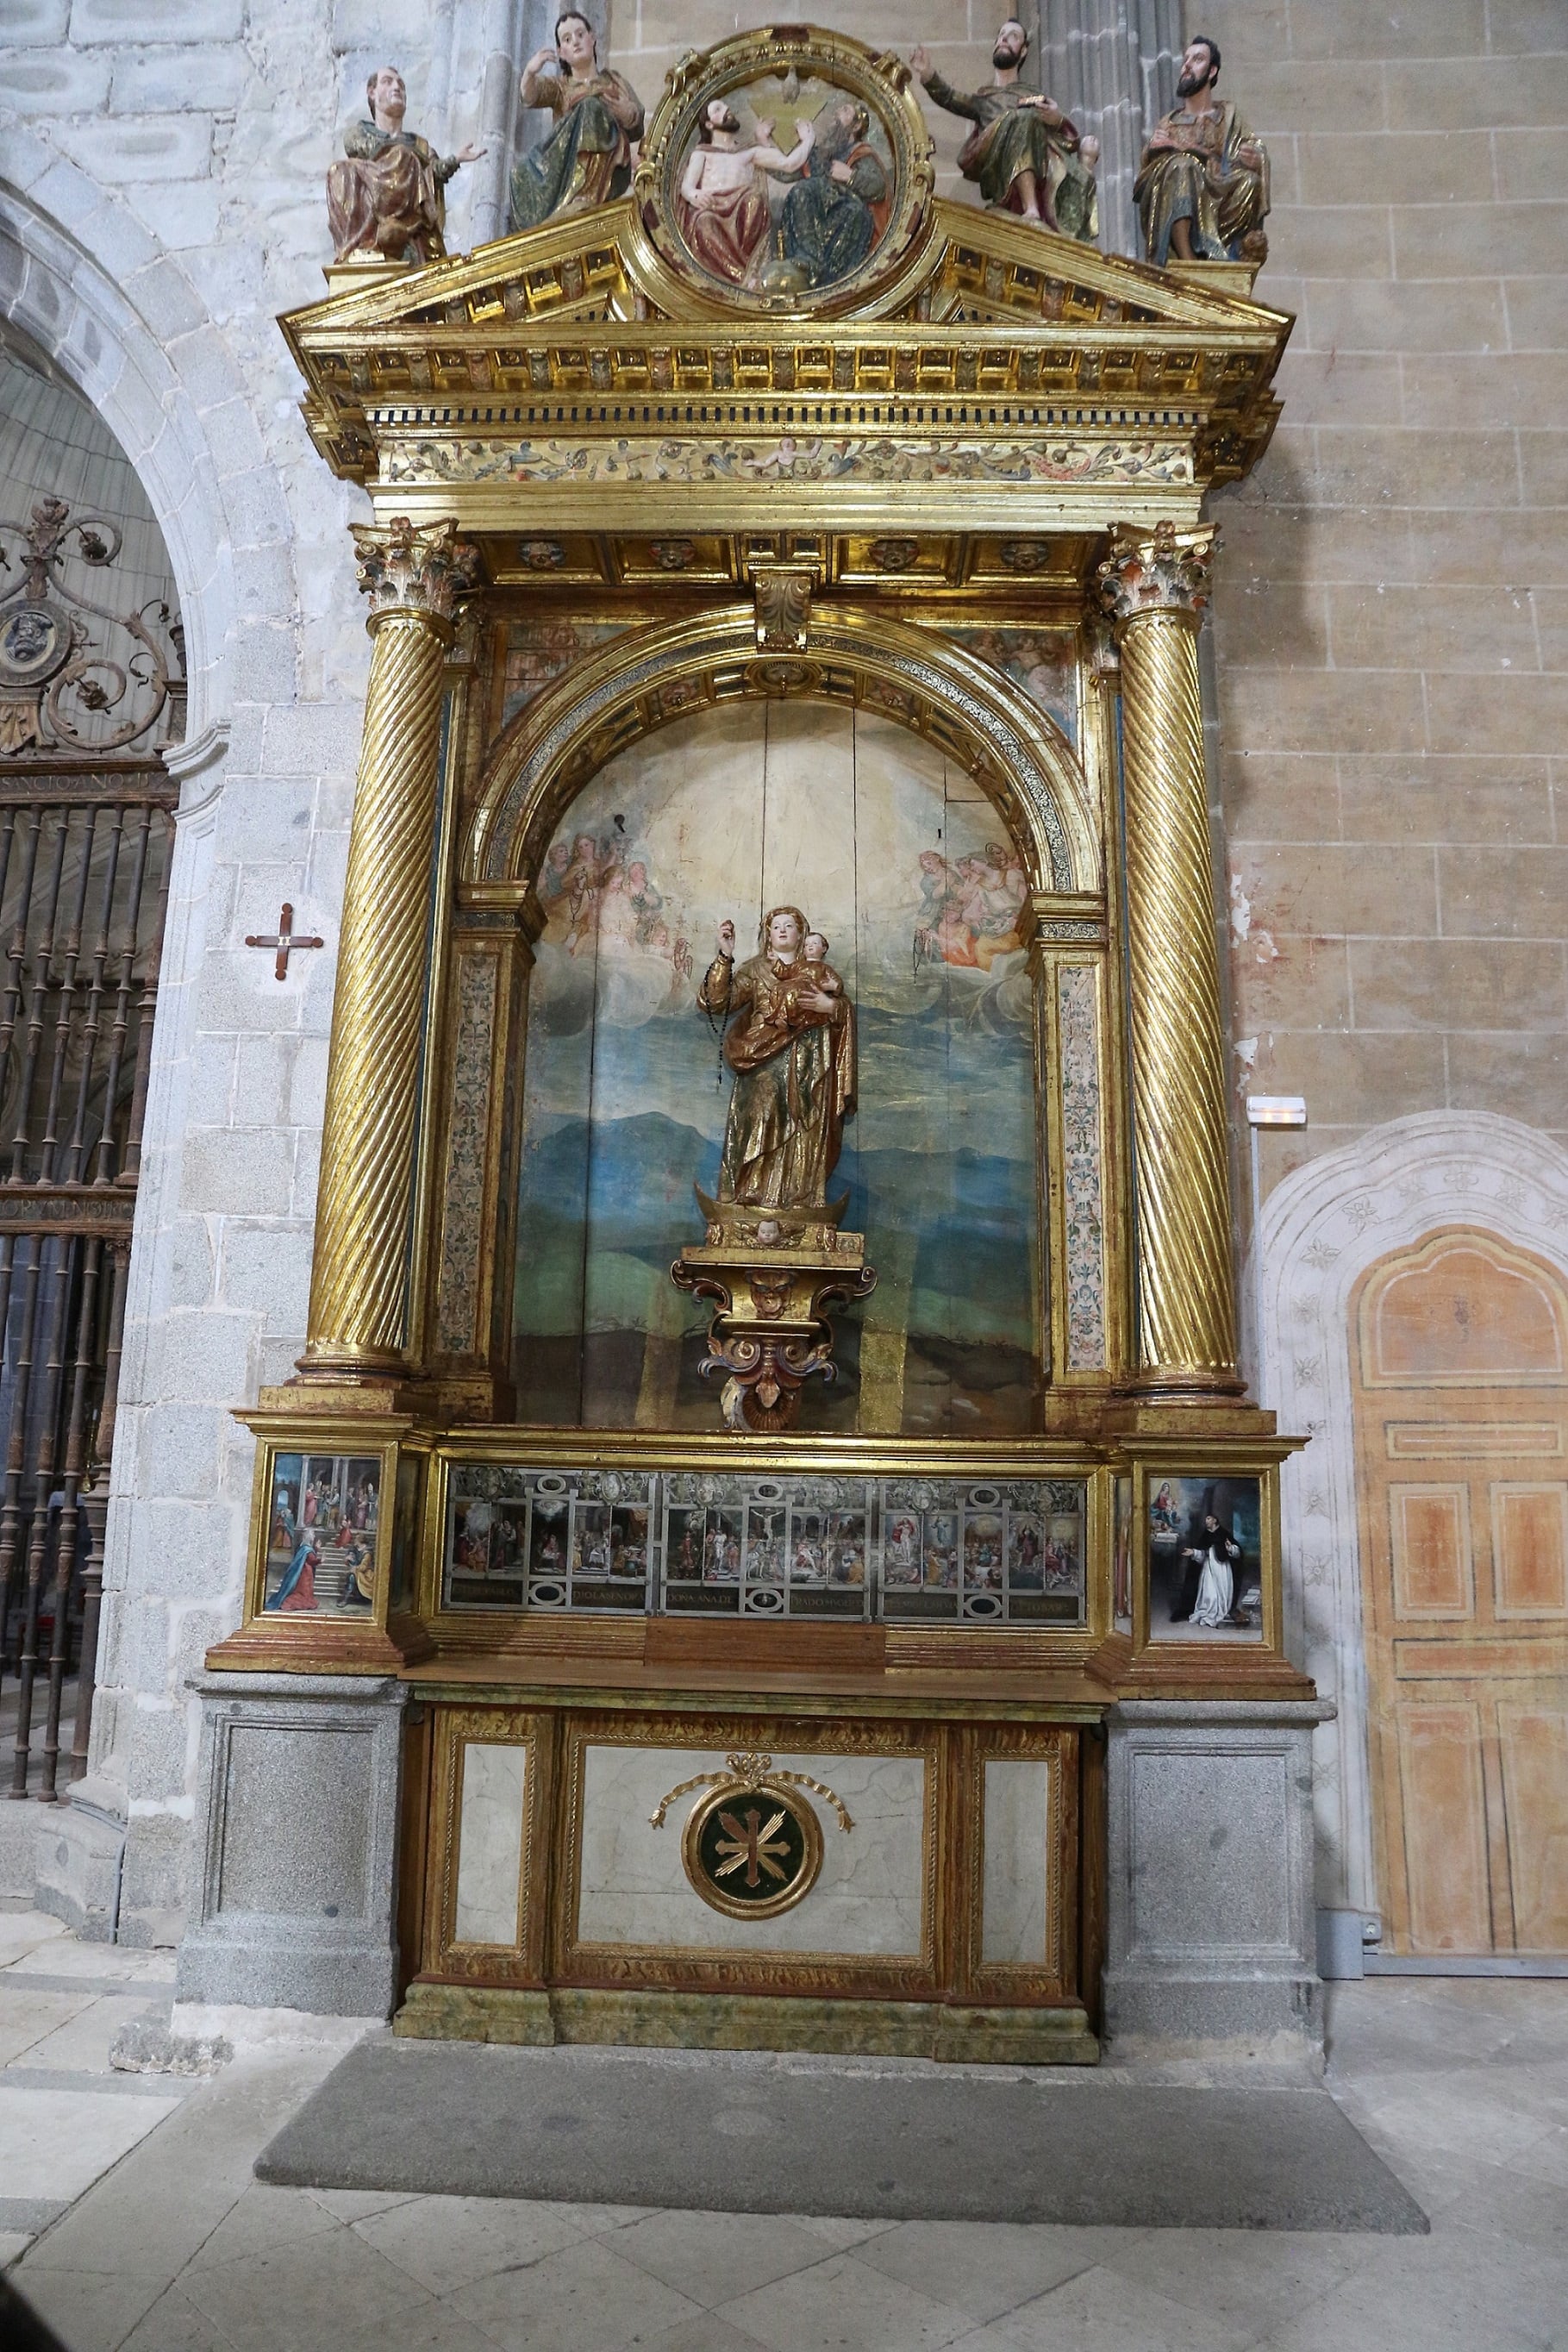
408	568
1162	570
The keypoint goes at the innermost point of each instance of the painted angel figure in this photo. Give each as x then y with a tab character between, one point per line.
386	199
792	1049
723	211
586	159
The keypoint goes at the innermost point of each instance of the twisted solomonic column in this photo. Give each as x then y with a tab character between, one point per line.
415	579
1155	586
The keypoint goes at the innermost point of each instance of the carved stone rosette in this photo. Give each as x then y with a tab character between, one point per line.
1154	586
772	1276
416	579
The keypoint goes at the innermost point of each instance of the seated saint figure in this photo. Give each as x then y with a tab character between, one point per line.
388	198
834	215
724	210
586	160
1202	189
1024	153
792	1050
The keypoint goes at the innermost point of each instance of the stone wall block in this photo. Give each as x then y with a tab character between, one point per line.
190	1264
177	1451
266	1269
296	1899
178	81
28	21
127	21
55	81
155	147
314	738
203	1357
180	214
232	1171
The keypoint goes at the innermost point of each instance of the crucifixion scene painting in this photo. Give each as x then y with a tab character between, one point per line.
782	968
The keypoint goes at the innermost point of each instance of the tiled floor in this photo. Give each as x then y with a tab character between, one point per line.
1462	2087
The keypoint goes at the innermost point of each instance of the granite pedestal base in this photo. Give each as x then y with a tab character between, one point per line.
1210	1925
297	1785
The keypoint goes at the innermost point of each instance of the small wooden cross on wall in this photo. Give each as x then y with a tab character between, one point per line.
286	939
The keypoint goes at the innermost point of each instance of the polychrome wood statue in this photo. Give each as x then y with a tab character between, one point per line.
586	158
792	1051
386	199
1202	189
1024	153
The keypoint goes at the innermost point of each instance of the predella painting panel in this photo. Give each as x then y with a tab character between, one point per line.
890	853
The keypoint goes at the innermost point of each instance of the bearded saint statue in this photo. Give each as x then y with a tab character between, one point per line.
792	1050
1202	190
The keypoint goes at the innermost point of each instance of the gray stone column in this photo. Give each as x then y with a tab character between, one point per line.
1113	65
297	1813
1211	1931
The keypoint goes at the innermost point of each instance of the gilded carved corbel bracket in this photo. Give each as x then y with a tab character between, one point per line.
772	1274
783	593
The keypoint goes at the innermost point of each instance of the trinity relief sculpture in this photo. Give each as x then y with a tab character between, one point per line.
1202	189
780	222
586	157
1024	154
386	200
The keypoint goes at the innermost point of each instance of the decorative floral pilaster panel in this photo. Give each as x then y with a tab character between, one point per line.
467	1154
1082	1185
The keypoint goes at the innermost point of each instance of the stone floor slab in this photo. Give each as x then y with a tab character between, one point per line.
586	2296
55	2144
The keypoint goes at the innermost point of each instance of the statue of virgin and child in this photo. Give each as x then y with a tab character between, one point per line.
791	1044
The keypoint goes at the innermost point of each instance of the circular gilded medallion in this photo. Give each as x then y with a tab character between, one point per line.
786	169
35	639
752	1853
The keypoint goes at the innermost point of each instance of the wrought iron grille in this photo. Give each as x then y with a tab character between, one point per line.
84	877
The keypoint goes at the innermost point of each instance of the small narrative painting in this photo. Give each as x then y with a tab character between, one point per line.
767	1547
1206	1560
321	1534
558	1539
785	185
745	1544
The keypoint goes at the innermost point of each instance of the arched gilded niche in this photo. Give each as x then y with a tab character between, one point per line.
951	707
633	686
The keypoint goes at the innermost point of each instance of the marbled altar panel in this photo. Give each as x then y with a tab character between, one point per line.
1014	1914
490	1841
867	1899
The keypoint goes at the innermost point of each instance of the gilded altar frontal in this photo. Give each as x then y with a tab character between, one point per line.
844	1209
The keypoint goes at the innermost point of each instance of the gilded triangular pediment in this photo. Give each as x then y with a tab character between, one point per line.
971	331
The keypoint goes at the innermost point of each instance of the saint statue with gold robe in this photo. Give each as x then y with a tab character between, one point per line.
792	1049
1202	189
386	200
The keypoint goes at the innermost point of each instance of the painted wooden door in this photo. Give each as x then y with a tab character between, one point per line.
1460	1354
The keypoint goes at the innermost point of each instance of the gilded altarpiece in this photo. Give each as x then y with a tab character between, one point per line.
763	1566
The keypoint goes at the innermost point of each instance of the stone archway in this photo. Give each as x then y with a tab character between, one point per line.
1320	1233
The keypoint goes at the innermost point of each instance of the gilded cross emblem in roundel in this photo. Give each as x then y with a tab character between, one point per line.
752	1853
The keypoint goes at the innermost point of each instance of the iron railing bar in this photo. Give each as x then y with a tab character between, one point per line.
43	1488
92	1023
131	1164
70	1510
96	1498
64	996
102	1172
38	998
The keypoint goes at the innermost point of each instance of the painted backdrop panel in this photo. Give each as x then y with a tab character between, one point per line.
894	856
